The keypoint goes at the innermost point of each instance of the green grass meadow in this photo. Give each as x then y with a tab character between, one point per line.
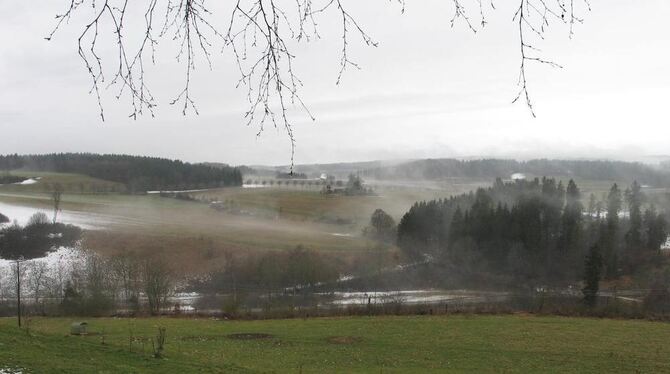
419	344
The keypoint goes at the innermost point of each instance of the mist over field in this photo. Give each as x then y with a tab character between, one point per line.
334	186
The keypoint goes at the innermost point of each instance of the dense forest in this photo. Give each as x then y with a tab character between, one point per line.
538	232
436	169
138	173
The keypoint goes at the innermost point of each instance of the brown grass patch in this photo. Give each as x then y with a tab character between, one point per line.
201	338
344	339
250	336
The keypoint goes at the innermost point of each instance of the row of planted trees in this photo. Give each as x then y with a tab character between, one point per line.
77	282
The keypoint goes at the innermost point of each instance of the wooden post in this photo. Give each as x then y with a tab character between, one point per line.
18	291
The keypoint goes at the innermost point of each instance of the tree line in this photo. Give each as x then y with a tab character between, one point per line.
7	178
137	173
538	232
81	282
269	277
435	169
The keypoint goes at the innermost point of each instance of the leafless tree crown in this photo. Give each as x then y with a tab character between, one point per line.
259	34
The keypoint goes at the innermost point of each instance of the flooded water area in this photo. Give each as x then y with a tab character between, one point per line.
429	296
85	220
334	301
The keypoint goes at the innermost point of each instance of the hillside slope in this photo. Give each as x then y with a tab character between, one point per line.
137	173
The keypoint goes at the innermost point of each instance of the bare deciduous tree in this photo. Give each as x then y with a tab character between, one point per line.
126	270
37	279
158	278
56	197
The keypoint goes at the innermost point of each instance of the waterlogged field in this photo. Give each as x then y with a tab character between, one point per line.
479	344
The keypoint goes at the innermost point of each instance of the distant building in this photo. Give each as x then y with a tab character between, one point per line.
518	176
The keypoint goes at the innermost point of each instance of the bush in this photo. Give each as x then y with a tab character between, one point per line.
72	301
658	299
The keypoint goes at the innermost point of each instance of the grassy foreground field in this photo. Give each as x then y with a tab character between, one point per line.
481	344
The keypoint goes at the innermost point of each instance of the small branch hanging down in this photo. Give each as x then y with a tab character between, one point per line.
128	76
273	85
532	18
347	22
186	22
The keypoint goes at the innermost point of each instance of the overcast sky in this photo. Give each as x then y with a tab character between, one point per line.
427	91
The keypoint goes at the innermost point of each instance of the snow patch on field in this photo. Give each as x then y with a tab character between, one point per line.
178	191
7	370
64	256
28	181
341	234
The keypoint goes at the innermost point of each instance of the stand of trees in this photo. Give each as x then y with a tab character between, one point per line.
382	227
138	173
81	282
35	240
9	179
273	276
356	186
536	232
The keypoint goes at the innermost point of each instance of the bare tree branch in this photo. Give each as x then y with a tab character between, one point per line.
259	34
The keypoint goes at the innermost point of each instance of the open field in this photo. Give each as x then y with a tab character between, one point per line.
299	204
186	229
480	344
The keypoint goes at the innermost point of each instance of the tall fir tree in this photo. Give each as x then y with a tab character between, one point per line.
572	228
593	264
610	238
634	199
